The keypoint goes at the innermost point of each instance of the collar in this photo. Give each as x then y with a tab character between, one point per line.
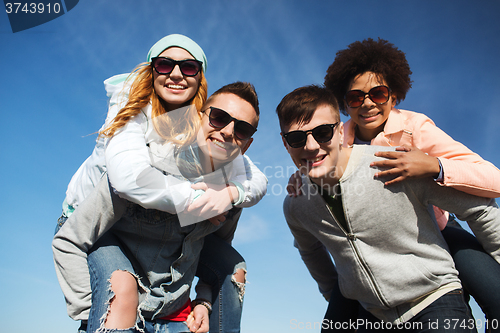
394	123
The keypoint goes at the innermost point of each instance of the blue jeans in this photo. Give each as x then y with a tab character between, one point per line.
60	222
159	326
478	271
218	262
105	257
448	314
163	326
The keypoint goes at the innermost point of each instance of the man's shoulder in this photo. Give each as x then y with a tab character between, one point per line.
304	204
299	211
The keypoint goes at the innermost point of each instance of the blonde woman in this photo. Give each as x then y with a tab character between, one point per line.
172	79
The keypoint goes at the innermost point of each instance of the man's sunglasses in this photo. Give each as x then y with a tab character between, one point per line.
188	67
321	133
379	95
219	119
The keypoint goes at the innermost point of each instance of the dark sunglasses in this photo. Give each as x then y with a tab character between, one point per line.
379	95
321	133
188	67
219	119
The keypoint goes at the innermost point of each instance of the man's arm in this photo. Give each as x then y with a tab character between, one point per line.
482	214
314	254
254	184
93	217
226	233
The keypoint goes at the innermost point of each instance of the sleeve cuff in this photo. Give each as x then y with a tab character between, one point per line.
241	193
203	290
440	177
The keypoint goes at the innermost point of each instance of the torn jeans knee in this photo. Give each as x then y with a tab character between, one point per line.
218	263
236	278
124	288
106	257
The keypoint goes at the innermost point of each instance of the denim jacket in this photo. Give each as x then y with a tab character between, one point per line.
166	252
169	259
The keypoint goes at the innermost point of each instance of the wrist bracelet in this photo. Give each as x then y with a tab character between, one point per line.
203	302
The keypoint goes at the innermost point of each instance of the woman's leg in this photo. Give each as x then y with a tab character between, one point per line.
114	287
478	271
60	221
224	269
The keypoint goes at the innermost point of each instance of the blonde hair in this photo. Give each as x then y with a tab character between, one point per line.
142	92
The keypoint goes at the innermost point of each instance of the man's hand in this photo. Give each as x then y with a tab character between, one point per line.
216	201
198	319
406	162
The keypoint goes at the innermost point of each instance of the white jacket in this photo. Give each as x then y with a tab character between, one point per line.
126	156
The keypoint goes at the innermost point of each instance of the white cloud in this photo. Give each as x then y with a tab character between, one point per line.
251	228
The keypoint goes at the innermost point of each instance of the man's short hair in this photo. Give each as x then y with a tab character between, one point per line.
299	105
243	90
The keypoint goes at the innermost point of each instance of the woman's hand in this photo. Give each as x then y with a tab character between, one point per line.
294	185
216	201
406	162
198	319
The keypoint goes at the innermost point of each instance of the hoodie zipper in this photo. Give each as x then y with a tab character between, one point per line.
352	238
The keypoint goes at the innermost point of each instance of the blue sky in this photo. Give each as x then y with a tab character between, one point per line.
53	99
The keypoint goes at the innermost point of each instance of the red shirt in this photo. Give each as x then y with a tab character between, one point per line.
181	314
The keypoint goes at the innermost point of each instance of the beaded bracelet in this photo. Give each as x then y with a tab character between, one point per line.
203	302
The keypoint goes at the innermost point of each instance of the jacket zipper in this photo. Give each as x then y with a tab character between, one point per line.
352	238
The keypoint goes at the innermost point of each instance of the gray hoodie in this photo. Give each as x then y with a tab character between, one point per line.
392	252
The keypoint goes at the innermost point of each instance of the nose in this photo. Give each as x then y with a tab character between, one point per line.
311	143
227	131
176	72
367	102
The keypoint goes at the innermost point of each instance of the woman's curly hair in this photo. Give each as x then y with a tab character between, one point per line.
379	57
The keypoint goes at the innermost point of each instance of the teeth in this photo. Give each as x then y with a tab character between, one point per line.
316	159
219	144
175	86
